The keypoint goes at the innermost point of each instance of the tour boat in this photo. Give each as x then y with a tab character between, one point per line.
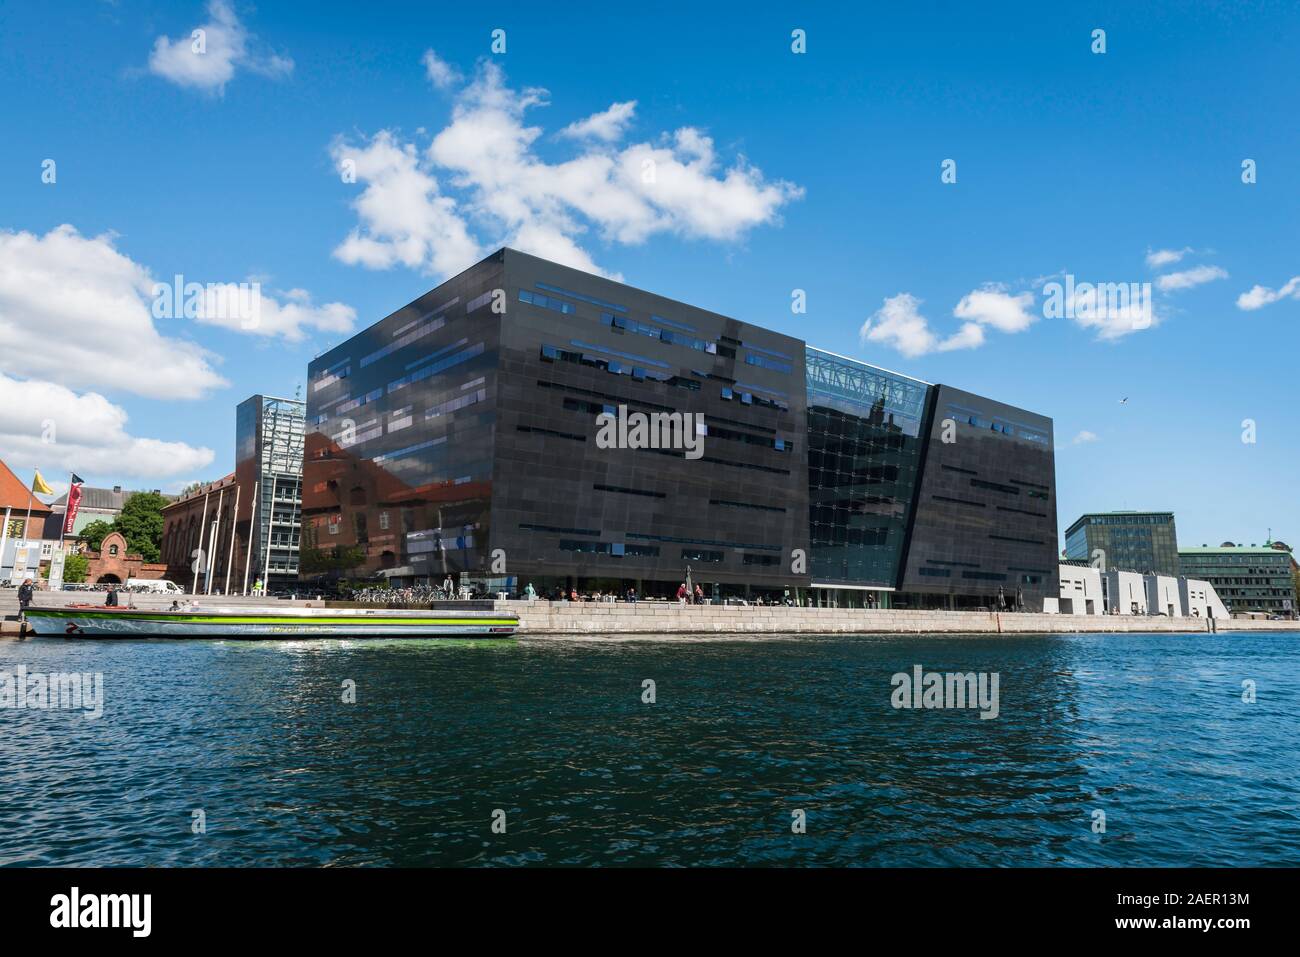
100	621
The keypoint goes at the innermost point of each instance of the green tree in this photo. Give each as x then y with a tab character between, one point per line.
94	532
141	523
75	568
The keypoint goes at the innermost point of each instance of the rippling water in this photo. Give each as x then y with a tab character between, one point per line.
1150	729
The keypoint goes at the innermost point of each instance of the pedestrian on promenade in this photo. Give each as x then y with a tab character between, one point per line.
25	591
631	595
111	601
573	594
681	594
257	586
699	595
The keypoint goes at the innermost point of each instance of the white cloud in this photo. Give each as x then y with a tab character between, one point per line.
899	323
207	57
674	185
406	219
440	73
1084	437
224	305
1260	296
1113	310
48	426
1189	278
993	306
1159	258
75	310
608	125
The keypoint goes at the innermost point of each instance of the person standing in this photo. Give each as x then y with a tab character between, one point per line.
25	592
111	601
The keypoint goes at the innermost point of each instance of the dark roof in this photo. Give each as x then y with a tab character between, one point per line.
103	499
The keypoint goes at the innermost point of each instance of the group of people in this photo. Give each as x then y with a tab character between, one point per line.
686	597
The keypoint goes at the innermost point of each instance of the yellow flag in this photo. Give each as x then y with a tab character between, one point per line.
39	486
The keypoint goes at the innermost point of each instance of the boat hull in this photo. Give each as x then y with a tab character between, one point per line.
297	623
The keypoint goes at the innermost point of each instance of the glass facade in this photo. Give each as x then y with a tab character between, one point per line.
398	470
459	436
268	459
865	439
1130	541
1248	579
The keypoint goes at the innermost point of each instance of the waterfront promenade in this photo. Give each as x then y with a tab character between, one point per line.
541	619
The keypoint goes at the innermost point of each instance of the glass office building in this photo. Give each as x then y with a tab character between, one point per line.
1129	541
269	434
866	431
1248	578
461	436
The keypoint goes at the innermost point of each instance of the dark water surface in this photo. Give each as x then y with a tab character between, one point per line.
1150	729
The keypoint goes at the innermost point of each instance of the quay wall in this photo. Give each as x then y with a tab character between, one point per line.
550	619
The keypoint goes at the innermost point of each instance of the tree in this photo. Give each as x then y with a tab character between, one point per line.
75	568
94	532
141	523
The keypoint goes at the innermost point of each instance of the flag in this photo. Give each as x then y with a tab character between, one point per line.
39	486
74	500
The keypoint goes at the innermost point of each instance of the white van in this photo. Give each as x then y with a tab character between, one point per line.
159	586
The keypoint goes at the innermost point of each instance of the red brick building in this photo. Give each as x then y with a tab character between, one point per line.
205	519
112	563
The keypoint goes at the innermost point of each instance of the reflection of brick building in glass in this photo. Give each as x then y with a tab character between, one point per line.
461	432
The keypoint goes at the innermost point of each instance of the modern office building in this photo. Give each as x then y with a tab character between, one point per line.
1250	579
465	434
268	461
1131	541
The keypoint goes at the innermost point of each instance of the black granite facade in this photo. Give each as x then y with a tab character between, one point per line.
462	435
985	515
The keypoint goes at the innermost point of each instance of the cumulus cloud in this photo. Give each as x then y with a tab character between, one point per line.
993	306
1159	258
246	309
48	426
482	169
608	125
208	56
76	311
440	73
1189	278
1084	437
407	219
899	323
1260	296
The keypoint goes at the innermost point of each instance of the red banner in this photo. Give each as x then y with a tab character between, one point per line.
74	500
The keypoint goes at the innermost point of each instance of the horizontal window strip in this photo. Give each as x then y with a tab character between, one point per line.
1021	511
958	501
1023	541
552	432
530	527
628	491
761	508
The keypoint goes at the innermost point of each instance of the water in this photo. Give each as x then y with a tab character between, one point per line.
1150	729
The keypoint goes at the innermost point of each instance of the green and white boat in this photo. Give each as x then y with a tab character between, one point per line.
99	621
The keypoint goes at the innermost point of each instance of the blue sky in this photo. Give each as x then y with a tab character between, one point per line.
778	171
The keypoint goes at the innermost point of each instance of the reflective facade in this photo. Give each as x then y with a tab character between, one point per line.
268	463
1248	578
865	440
1130	541
461	435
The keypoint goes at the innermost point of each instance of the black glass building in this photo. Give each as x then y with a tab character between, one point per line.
463	435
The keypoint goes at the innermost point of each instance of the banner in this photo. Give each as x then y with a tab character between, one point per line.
20	561
74	500
56	569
